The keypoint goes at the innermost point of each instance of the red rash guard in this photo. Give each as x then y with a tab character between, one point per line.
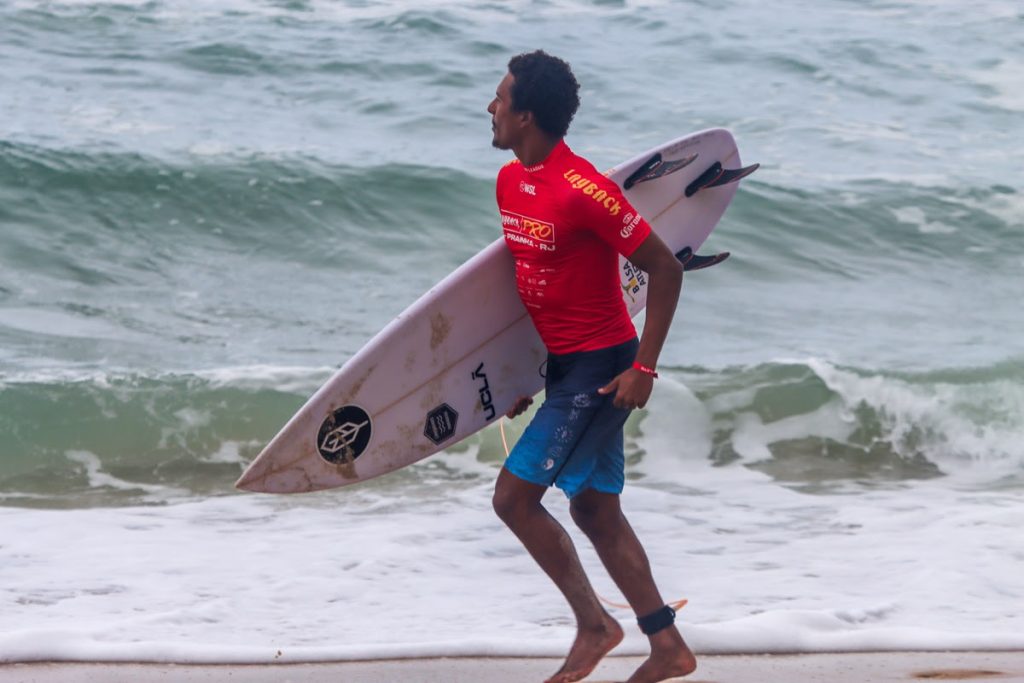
566	224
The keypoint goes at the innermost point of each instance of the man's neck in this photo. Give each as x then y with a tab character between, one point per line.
536	149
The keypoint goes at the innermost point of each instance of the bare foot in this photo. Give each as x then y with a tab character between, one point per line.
670	658
589	649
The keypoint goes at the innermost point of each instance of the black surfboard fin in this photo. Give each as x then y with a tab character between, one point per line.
693	261
699	262
731	175
717	176
684	255
704	179
656	167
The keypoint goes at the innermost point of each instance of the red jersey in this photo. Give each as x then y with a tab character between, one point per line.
566	224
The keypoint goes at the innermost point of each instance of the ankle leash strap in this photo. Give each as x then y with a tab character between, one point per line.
657	620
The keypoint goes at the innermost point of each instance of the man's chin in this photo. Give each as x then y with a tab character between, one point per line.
497	144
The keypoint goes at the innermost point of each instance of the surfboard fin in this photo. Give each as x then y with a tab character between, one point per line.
693	261
656	167
699	262
716	176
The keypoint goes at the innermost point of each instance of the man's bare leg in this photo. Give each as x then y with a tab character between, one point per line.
517	503
600	517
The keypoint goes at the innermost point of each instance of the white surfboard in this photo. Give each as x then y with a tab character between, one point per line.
460	356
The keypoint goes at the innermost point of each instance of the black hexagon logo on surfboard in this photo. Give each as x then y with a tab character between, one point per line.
440	424
344	435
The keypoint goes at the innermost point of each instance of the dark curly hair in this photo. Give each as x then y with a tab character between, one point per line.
545	86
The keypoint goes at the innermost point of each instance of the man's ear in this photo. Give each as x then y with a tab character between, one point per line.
525	118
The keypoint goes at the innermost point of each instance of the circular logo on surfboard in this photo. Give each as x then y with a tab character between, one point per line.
344	435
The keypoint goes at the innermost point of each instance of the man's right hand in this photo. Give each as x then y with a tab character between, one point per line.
522	403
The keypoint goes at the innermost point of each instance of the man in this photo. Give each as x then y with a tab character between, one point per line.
565	225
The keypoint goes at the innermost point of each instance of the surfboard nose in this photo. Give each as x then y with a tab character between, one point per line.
268	474
253	479
259	476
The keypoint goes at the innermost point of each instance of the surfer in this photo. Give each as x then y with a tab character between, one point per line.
565	225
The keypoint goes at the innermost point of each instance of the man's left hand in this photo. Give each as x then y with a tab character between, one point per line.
631	388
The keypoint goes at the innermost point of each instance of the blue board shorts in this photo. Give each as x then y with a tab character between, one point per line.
575	440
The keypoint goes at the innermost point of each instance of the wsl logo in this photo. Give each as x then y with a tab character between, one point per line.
344	435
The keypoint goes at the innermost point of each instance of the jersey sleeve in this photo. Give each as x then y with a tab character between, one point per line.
498	187
604	210
503	180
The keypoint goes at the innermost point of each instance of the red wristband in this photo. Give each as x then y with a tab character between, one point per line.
646	370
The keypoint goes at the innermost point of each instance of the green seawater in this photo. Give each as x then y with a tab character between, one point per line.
207	207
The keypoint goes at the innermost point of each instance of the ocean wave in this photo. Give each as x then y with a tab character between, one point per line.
102	439
82	208
131	438
228	196
820	426
123	224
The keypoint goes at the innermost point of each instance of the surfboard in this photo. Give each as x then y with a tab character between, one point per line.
460	356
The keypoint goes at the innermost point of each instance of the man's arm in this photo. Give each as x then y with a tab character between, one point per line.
632	388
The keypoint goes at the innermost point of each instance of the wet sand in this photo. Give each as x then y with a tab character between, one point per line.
882	667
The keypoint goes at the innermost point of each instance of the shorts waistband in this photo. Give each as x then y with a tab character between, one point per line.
607	349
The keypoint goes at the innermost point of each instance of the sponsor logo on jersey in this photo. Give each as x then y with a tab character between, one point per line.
591	189
629	224
527	188
526	230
